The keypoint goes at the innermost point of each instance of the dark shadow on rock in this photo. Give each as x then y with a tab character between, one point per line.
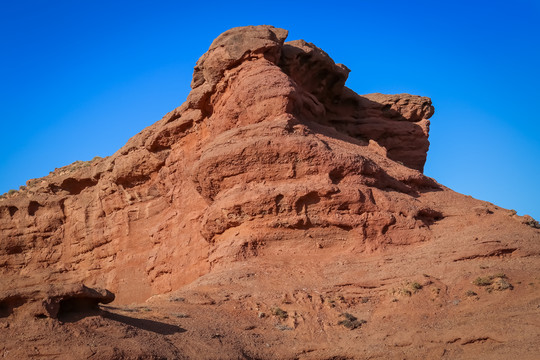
72	316
145	324
429	216
9	303
363	119
432	188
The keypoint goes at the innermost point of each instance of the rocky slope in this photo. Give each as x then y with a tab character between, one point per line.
275	214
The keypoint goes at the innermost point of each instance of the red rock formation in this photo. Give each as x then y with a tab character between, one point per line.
261	139
271	161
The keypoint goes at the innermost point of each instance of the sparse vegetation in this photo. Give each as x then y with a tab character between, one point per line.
79	164
416	286
180	315
483	281
405	292
533	223
409	288
283	327
501	284
497	282
32	182
470	293
11	192
282	314
351	322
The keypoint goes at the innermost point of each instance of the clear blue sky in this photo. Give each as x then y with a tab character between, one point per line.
79	78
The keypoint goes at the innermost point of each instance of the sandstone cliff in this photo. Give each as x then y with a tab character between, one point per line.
273	186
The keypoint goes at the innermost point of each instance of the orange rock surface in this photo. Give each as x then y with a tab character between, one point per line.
276	214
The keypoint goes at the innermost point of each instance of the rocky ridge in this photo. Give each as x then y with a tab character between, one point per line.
274	166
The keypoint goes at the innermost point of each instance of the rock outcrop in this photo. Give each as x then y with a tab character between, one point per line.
53	300
268	138
270	155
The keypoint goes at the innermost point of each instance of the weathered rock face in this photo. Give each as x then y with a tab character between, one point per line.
269	140
270	153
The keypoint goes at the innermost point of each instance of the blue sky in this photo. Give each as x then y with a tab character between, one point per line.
79	78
